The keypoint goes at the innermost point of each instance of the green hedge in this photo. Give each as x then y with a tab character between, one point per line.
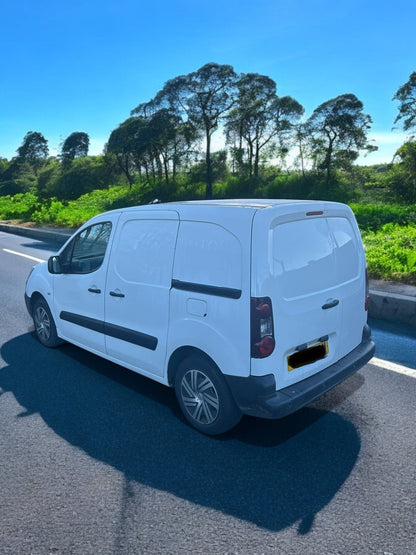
391	253
371	217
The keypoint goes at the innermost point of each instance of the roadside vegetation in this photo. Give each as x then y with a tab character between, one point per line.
163	152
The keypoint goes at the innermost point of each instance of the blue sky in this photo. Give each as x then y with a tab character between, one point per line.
83	65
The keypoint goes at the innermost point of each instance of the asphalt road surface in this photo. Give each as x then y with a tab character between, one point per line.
95	459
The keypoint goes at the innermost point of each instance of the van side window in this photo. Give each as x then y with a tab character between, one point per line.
208	254
144	251
85	253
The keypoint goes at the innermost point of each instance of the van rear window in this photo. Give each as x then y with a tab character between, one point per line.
313	255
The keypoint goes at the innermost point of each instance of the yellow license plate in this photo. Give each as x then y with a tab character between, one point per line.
309	355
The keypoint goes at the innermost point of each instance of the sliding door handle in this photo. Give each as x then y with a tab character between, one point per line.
94	290
330	304
116	294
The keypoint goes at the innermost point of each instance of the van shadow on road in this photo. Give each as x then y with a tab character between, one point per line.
43	245
271	473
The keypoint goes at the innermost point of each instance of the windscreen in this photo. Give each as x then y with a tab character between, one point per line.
313	255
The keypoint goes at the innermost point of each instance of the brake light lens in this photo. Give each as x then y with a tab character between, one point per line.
262	331
367	291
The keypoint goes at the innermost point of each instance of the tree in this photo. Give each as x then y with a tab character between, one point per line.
201	99
198	172
83	176
212	89
259	119
406	95
48	177
403	177
17	177
122	144
34	149
75	146
169	140
301	136
338	132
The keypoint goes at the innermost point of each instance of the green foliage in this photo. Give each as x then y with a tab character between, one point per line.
75	146
34	150
201	98
406	95
403	174
83	175
219	168
259	120
391	252
338	132
48	177
17	176
371	217
18	207
75	213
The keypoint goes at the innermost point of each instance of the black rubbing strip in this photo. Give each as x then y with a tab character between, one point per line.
131	336
84	321
118	332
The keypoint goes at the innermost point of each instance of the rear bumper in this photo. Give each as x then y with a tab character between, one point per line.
257	396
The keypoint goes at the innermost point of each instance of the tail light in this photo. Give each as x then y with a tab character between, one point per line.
262	332
367	291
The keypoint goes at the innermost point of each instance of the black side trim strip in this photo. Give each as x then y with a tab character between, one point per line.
131	336
227	292
118	332
84	321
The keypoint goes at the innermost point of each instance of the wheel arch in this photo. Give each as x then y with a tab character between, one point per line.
33	298
181	354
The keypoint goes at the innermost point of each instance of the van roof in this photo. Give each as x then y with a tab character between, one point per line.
244	203
245	208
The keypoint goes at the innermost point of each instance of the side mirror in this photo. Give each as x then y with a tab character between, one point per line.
54	265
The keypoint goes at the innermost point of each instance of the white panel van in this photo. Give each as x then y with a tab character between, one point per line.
242	306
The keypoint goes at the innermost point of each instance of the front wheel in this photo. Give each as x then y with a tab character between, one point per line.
45	328
204	397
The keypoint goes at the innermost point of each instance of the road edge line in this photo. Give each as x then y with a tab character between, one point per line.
393	366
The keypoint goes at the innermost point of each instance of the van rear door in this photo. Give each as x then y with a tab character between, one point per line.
311	264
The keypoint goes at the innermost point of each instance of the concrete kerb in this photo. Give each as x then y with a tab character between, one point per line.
393	302
59	236
390	301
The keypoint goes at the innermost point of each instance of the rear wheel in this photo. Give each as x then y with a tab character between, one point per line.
45	328
204	397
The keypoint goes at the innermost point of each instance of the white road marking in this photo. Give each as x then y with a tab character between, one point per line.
25	255
387	365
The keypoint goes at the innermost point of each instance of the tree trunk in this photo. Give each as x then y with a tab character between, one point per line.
208	191
256	161
302	161
328	163
166	168
250	158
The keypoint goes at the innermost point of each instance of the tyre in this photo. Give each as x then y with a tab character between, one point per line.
45	328
204	397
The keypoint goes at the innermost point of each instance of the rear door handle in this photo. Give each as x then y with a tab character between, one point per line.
94	290
116	294
330	304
